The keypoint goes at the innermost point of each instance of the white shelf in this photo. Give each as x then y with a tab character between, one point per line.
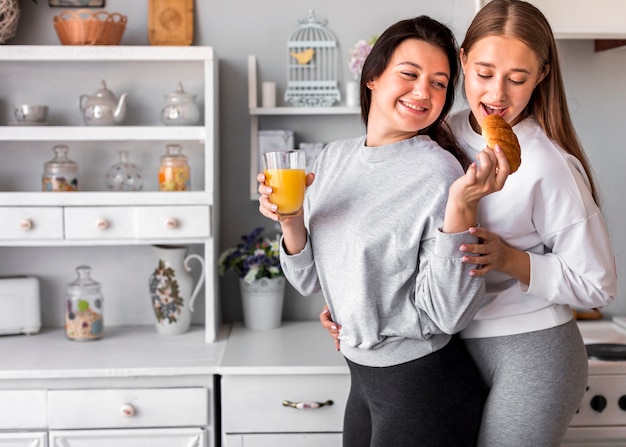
269	111
145	71
105	198
257	112
102	133
50	355
107	53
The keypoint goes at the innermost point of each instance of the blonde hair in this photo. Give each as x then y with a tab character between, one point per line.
548	105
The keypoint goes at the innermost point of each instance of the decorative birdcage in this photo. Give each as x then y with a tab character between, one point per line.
312	65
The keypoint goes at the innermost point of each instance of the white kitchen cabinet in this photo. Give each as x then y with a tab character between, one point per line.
257	112
158	392
129	438
57	76
24	439
284	440
128	408
23	409
261	370
583	19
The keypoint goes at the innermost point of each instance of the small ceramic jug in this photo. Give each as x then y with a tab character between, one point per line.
171	287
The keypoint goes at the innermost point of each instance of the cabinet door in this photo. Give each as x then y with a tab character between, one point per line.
29	223
284	440
22	409
571	19
24	439
190	437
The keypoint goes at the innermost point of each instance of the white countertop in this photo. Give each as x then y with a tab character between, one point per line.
123	352
303	347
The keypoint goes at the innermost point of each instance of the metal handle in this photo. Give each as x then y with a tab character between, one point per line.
306	405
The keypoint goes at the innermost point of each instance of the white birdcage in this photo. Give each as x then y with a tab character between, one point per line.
312	64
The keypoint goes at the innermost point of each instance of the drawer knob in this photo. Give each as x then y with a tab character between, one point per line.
306	405
127	410
26	224
171	223
102	224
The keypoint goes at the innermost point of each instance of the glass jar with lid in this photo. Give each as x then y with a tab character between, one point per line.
83	307
60	173
174	172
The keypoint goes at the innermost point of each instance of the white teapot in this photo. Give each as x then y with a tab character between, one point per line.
103	108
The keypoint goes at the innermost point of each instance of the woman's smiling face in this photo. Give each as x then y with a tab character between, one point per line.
410	94
500	75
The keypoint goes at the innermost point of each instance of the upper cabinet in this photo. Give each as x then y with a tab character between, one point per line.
95	216
584	19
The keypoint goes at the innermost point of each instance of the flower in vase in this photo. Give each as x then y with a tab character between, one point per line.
256	257
357	55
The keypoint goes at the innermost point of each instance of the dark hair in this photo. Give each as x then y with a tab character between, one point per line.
548	104
430	31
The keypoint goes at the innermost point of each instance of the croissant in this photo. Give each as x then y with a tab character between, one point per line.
496	130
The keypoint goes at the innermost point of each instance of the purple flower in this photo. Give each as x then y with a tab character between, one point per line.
255	257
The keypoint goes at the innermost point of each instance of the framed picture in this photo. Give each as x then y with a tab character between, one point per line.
77	3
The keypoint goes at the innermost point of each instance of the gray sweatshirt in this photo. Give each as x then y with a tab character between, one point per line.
391	278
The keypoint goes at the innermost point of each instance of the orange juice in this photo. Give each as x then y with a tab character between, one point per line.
288	187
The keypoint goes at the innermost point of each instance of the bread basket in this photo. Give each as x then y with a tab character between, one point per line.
84	27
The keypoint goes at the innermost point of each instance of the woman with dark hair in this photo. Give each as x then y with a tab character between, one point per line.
379	235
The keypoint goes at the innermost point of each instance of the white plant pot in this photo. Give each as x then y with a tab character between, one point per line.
263	303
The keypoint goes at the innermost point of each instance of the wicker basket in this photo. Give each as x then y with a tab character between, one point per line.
83	27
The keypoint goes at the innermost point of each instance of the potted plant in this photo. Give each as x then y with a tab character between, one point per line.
256	261
356	58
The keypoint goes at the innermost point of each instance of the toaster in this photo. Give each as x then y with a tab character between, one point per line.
19	301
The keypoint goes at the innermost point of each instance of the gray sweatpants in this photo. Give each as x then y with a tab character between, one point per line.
536	383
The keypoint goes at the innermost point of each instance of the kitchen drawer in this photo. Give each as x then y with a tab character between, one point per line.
158	222
22	409
284	440
100	222
31	223
156	437
254	403
128	408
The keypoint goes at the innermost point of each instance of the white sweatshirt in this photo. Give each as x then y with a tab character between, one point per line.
394	282
547	210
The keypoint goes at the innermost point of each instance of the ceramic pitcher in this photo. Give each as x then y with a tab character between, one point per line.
171	288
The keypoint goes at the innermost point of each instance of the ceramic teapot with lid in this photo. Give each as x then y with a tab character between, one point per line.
181	108
103	108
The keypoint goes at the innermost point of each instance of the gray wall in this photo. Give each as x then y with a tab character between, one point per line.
241	27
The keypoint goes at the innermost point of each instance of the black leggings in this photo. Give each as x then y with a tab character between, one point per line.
434	401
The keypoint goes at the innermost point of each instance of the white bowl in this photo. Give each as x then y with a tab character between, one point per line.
31	113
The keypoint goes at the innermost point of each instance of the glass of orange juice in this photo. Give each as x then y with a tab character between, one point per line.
285	172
